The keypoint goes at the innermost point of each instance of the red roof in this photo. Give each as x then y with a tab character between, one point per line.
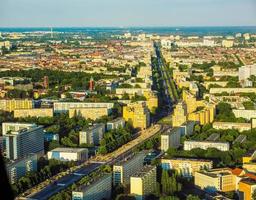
237	171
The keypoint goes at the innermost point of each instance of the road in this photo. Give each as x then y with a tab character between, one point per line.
51	187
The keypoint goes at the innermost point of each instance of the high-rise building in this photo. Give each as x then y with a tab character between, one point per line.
18	168
245	72
170	139
98	189
143	182
23	141
179	115
92	135
138	114
124	169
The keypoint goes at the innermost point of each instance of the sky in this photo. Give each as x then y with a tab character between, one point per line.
125	13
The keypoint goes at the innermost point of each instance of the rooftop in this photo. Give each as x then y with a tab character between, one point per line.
144	171
69	150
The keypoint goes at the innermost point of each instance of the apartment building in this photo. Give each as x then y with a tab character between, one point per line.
33	112
138	114
216	180
179	114
232	90
11	104
247	187
186	166
245	72
60	107
143	182
116	123
123	170
232	125
170	139
68	154
98	189
21	142
92	135
89	113
222	146
18	168
247	114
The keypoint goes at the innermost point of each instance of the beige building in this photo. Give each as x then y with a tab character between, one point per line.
222	146
232	125
247	114
216	180
143	182
179	115
123	170
232	90
138	114
33	112
11	104
186	166
89	113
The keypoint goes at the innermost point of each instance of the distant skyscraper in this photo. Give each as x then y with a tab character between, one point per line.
91	84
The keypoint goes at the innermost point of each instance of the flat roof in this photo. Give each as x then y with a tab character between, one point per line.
68	150
143	171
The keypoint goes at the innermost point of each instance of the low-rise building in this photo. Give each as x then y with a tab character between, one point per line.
143	182
216	180
68	154
92	135
247	187
98	189
247	114
123	170
222	146
170	139
33	112
186	166
116	123
232	125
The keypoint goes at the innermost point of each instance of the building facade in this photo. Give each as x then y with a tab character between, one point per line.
222	146
68	154
170	139
115	124
92	135
37	112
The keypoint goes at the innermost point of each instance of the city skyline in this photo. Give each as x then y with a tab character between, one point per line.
113	13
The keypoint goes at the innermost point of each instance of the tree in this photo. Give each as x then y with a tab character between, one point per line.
192	197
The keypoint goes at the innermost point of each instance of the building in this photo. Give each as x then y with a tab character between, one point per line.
33	112
18	168
170	139
62	107
143	182
12	104
46	82
89	113
151	100
247	187
214	180
222	146
245	72
138	114
247	114
91	84
232	125
186	166
115	124
126	168
187	128
179	114
232	90
22	141
68	154
98	189
227	43
92	135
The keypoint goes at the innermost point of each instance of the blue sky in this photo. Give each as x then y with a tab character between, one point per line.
74	13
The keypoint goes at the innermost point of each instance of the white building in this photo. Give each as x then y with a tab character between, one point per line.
116	123
171	138
245	72
222	146
68	154
92	135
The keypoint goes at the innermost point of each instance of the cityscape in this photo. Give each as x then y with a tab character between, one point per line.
136	112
